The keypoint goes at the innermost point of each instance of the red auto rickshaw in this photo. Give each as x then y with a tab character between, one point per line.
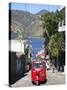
38	72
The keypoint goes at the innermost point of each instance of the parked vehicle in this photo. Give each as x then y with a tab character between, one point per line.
38	72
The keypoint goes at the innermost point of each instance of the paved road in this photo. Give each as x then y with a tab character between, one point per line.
52	79
55	78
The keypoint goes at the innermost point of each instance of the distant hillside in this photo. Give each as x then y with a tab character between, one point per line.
41	12
27	23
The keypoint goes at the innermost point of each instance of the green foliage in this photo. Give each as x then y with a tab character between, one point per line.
20	34
55	44
50	21
56	40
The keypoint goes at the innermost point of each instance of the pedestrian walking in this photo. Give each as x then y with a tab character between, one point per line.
53	68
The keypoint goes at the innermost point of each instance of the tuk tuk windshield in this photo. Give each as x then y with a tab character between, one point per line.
38	65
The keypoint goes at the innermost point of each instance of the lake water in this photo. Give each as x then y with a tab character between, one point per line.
36	44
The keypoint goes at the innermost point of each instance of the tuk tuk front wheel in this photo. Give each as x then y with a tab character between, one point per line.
32	82
37	83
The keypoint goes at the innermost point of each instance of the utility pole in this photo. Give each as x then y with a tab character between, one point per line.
57	62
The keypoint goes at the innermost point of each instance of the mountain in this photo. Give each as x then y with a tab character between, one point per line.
41	12
24	23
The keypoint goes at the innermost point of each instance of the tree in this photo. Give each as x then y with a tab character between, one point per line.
55	44
20	34
56	48
50	21
56	40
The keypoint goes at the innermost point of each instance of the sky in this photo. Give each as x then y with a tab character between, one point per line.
34	8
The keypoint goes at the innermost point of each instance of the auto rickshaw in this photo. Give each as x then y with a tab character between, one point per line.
38	72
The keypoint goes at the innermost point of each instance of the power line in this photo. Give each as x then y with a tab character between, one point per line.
26	8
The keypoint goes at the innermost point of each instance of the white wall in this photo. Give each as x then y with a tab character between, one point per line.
16	46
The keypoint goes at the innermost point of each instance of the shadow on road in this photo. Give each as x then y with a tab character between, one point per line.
44	82
21	76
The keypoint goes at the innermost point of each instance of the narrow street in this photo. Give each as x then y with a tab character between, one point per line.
52	79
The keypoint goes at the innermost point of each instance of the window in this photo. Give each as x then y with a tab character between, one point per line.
38	65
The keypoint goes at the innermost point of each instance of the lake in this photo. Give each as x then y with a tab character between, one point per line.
36	44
